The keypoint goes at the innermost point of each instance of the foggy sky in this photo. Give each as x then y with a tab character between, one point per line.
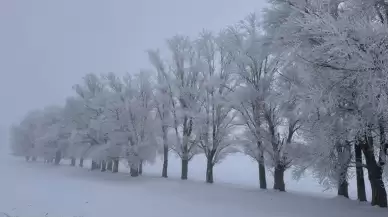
46	46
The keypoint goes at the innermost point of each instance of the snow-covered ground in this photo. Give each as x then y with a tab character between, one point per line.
37	190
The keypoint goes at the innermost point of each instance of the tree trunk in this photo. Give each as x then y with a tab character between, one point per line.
185	169
379	194
343	159
165	161
94	165
98	165
361	194
141	168
343	182
72	161
134	171
27	158
109	165
279	178
81	162
262	178
375	171
57	157
115	166
209	170
343	188
103	166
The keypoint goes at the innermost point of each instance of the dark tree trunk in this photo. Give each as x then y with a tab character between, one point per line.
72	161
58	156
361	194
115	166
109	165
379	194
187	130
98	165
81	162
209	170
262	178
185	169
27	158
141	168
210	166
343	188
279	178
134	171
34	158
103	166
343	151
165	161
94	165
375	171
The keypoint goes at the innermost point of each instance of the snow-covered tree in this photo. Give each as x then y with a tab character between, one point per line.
20	145
182	79
128	115
30	128
216	119
53	141
253	86
92	92
42	133
138	111
340	45
76	116
162	102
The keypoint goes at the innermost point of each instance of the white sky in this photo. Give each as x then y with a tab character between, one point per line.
46	46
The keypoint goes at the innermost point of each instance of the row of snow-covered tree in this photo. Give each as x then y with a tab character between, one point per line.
303	88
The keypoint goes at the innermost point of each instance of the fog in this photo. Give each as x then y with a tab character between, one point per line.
47	46
90	154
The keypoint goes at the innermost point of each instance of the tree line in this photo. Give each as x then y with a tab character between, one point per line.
303	87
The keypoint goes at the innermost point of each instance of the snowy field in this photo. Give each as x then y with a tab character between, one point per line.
37	190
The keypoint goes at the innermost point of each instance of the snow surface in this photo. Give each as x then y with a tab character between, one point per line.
37	190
